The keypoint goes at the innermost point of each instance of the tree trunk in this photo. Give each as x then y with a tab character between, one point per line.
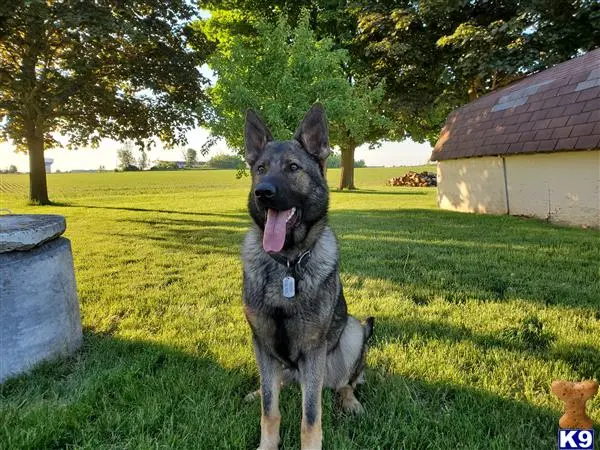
474	89
38	190
347	177
35	43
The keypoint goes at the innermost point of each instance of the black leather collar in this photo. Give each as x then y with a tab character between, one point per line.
295	265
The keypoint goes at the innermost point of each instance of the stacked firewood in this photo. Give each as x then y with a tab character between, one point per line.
414	179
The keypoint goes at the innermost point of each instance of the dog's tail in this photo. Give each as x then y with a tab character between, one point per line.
369	324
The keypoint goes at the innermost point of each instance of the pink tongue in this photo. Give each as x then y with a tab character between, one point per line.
275	230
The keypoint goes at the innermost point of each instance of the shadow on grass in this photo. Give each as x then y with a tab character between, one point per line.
583	359
127	394
146	210
429	253
425	253
118	393
199	236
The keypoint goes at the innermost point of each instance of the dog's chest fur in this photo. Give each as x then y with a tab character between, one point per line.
317	312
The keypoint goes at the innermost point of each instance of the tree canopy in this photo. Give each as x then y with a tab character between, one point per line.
433	55
90	70
281	72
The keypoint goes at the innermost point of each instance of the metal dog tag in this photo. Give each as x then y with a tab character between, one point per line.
289	286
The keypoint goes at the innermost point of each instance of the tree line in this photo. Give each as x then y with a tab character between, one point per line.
388	69
128	162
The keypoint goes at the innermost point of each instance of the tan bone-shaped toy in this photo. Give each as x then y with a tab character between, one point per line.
574	396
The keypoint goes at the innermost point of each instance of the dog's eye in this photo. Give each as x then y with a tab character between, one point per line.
260	169
294	167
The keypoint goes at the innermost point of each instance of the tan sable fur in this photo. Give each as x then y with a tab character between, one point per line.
311	437
269	430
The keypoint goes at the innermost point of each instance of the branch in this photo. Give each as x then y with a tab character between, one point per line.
63	96
8	106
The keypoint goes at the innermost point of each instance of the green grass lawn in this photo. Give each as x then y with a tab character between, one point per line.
475	316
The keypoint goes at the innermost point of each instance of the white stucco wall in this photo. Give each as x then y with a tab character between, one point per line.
562	187
472	185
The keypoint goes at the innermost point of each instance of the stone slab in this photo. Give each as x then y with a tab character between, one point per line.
25	231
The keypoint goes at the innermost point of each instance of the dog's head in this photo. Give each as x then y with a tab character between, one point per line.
289	193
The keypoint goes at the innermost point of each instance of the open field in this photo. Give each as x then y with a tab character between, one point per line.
475	316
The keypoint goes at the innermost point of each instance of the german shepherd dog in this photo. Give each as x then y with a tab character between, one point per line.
293	298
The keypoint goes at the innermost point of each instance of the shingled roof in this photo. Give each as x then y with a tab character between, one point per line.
557	109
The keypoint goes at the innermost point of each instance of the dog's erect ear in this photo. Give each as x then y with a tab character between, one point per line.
312	132
256	136
369	323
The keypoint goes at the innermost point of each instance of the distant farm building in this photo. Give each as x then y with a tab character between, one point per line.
529	149
48	162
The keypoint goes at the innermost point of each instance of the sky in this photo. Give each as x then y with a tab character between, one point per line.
405	153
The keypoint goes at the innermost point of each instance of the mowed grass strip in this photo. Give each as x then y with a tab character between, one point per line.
475	316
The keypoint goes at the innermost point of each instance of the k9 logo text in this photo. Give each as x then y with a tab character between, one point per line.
575	439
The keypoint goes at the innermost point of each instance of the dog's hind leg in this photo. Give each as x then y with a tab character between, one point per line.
270	386
349	401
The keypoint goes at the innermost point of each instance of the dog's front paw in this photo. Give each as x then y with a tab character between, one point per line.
271	444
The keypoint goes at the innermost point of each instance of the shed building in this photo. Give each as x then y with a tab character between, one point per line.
531	148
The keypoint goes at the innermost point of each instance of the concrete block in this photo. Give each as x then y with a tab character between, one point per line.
39	309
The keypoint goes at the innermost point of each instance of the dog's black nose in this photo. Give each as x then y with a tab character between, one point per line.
265	190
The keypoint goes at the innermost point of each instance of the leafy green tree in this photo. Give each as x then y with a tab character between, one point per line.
165	165
142	161
125	157
334	161
191	157
223	161
435	55
333	19
12	169
90	70
281	72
